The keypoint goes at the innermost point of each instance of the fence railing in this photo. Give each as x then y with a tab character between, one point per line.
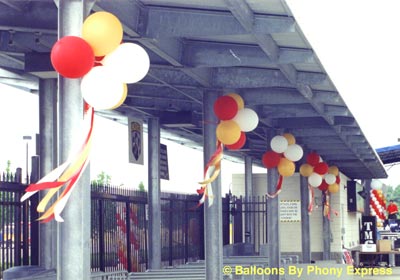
18	232
120	229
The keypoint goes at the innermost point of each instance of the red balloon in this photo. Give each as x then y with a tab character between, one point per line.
321	168
72	57
271	159
338	179
239	144
324	186
312	158
225	107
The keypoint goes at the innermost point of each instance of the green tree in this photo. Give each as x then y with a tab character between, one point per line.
141	187
395	195
102	179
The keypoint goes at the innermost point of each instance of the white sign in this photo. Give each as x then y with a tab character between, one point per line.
290	211
135	135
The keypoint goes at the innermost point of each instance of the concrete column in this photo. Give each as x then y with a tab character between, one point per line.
274	253
74	237
48	161
154	194
212	213
326	231
248	184
305	221
367	187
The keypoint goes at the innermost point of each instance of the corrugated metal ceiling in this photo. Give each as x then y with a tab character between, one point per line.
254	48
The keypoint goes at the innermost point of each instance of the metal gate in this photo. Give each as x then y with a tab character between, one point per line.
236	210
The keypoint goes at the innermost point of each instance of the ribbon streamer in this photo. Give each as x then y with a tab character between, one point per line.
213	167
327	211
311	196
278	188
327	208
67	174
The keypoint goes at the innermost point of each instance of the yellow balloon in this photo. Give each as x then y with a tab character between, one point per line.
290	138
103	31
333	188
123	97
238	99
286	167
333	170
306	169
228	132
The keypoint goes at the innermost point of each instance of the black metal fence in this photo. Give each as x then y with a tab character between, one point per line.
236	210
119	227
120	223
18	232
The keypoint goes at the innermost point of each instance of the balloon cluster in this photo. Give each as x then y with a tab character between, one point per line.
320	174
377	202
121	236
284	153
104	63
235	120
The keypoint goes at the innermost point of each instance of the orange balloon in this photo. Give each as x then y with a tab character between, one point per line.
103	31
290	138
123	97
333	188
238	99
306	170
333	170
286	167
228	132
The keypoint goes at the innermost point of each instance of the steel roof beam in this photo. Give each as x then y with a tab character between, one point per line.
214	54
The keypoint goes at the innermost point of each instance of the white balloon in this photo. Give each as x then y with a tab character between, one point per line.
100	89
330	179
247	119
376	185
314	180
294	152
279	144
129	62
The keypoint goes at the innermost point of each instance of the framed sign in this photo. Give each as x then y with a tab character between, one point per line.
135	135
290	211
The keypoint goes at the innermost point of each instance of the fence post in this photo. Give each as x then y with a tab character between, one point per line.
128	236
34	229
238	221
101	235
225	219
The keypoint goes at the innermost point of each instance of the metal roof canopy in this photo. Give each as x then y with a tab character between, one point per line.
253	48
389	155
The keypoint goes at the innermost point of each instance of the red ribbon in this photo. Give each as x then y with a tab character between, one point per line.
311	197
278	187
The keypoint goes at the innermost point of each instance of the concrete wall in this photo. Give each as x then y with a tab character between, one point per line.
290	232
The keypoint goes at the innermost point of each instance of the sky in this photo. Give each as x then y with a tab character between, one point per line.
356	41
358	44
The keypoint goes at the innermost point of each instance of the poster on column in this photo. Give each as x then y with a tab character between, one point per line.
290	210
135	135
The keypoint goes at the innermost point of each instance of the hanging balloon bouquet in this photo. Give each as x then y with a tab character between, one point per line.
283	155
105	66
320	176
235	121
